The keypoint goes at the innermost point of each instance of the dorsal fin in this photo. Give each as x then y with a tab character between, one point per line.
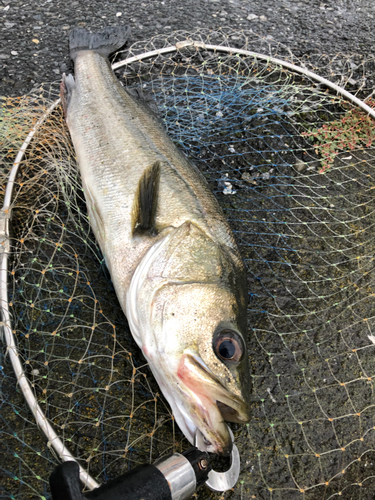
146	201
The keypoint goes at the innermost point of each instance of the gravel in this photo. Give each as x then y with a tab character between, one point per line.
34	34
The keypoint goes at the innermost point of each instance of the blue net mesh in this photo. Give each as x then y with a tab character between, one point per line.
304	224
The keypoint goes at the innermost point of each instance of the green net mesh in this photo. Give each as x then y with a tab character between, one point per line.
292	165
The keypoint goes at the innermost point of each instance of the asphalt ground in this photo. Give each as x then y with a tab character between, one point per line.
34	34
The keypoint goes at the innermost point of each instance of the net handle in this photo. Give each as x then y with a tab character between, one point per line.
5	214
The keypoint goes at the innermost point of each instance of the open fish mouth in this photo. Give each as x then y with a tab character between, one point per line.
228	413
211	405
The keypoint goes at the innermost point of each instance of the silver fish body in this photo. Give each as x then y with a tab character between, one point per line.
181	282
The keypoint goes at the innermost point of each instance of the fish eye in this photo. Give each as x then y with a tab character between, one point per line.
228	346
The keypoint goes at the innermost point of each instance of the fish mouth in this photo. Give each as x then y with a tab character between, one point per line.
211	405
228	413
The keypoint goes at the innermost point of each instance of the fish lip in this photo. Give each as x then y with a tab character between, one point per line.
202	444
211	409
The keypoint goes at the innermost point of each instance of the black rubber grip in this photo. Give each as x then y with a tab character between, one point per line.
145	482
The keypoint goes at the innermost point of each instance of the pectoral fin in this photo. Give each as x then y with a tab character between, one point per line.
146	201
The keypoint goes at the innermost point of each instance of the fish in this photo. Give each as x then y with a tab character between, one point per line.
172	257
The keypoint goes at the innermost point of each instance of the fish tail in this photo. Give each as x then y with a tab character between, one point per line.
105	43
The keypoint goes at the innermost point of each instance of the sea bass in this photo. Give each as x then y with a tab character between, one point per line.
175	266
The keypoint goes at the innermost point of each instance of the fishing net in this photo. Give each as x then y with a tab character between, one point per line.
292	165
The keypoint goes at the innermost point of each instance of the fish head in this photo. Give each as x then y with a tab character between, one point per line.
192	317
208	378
